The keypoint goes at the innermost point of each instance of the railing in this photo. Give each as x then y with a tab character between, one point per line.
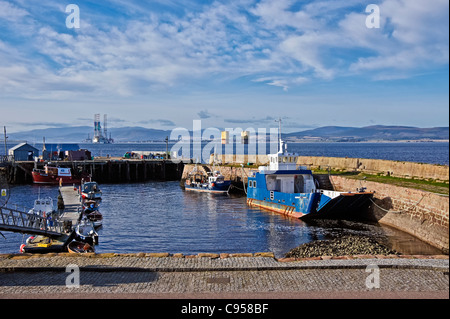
4	159
20	222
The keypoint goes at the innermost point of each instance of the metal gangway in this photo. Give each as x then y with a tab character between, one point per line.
14	220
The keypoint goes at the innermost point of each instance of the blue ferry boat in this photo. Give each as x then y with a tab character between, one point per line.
289	189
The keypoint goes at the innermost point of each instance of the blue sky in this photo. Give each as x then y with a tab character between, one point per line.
162	64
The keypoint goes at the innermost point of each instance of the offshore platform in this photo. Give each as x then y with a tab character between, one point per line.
101	135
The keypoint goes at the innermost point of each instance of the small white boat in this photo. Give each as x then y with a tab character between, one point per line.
91	190
85	232
42	207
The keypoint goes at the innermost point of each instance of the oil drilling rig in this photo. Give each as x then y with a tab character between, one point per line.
101	135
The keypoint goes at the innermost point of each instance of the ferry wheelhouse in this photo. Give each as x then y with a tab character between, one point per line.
289	189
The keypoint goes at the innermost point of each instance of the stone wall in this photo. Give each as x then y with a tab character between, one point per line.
422	214
235	174
371	166
259	160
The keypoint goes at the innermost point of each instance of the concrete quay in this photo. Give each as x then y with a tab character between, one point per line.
214	276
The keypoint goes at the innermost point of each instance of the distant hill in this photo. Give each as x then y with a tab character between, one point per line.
141	134
369	133
80	133
74	134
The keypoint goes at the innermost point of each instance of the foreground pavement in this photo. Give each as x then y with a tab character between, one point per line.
209	276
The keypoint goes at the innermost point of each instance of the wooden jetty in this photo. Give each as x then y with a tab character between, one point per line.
72	205
105	171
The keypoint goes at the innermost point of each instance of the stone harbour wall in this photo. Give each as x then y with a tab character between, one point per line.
370	166
422	214
235	174
373	166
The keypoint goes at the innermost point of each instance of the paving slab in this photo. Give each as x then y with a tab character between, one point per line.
118	276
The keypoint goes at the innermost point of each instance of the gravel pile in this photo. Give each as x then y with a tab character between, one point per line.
344	246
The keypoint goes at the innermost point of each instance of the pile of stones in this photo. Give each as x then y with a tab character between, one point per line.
344	246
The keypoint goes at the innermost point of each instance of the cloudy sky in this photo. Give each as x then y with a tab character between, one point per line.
164	63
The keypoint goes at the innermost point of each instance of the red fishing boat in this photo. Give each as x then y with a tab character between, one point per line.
56	175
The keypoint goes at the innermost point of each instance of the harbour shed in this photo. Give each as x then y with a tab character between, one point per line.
23	152
54	152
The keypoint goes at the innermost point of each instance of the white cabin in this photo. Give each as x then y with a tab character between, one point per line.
42	206
289	183
282	161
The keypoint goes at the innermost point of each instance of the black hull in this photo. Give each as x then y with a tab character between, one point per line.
345	206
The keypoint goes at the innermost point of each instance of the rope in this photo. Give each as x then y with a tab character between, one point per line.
243	180
402	211
384	209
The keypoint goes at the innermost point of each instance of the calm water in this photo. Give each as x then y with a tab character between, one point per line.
432	153
161	217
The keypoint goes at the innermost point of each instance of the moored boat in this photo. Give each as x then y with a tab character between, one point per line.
77	247
56	175
92	213
44	245
42	206
91	191
289	189
85	232
212	182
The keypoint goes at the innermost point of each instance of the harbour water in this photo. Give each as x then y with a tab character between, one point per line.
423	152
431	153
161	217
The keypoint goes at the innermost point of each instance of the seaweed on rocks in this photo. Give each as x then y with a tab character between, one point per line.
344	246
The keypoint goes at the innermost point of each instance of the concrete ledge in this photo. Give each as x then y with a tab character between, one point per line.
215	256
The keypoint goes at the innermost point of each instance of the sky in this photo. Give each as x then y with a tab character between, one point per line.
164	63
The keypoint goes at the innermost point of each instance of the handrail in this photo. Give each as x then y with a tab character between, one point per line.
22	222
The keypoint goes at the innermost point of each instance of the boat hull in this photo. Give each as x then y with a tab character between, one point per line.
205	188
42	178
344	206
319	204
90	196
43	245
277	208
76	247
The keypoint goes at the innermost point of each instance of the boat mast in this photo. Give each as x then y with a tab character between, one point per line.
279	135
6	145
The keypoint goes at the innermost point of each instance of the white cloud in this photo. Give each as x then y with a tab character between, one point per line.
282	43
418	37
11	12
